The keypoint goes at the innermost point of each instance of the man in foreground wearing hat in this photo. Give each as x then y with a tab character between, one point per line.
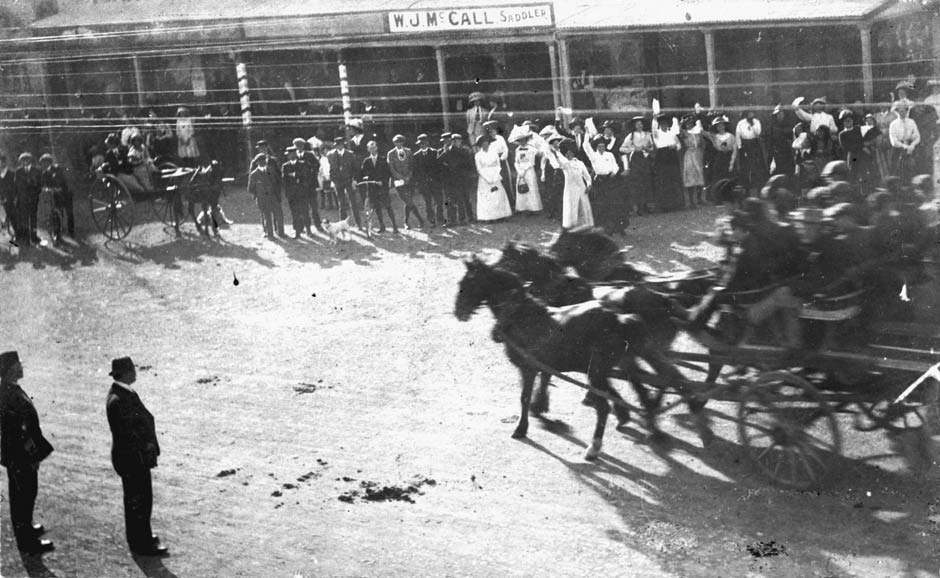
27	183
818	115
134	452
294	176
427	180
343	170
22	448
401	164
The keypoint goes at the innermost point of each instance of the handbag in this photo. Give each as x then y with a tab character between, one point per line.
522	187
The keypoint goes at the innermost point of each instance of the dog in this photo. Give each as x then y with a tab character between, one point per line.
338	231
205	220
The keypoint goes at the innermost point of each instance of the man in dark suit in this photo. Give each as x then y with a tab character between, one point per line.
53	178
457	174
294	179
8	193
22	447
310	168
357	140
343	170
375	168
134	452
27	184
427	180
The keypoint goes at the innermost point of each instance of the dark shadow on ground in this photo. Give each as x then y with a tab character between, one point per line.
35	567
691	522
68	255
153	567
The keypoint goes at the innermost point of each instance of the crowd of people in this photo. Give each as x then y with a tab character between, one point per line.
573	170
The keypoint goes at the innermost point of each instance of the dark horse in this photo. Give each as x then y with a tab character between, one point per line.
594	255
549	281
205	188
586	338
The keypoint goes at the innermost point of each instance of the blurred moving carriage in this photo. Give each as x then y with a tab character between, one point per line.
113	197
859	358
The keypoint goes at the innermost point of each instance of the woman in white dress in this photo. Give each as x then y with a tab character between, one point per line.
531	200
492	202
576	207
187	149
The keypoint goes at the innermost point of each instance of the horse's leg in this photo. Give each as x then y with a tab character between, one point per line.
602	407
540	398
528	379
696	406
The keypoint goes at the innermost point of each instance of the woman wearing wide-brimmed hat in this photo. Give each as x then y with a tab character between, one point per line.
725	147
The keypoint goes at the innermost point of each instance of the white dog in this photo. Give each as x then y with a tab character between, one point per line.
338	231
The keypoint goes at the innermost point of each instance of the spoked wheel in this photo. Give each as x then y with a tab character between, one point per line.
788	429
929	412
163	208
112	208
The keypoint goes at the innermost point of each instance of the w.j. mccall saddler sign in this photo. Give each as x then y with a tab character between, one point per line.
470	18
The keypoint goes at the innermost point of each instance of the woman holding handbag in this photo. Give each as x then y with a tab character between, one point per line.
528	196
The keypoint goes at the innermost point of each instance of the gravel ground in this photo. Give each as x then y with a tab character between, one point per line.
328	416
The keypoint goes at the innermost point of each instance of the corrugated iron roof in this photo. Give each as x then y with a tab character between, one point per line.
96	13
569	14
600	14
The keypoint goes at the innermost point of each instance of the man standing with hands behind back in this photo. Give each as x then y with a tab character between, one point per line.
22	447
133	453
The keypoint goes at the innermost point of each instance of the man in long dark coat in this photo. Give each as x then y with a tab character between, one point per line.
22	448
134	452
27	182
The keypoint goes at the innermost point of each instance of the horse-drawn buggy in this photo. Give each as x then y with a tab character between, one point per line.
114	197
611	321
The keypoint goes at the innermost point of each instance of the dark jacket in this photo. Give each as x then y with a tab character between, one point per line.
427	168
343	167
54	178
27	183
376	171
294	178
115	161
7	190
457	167
21	439
134	435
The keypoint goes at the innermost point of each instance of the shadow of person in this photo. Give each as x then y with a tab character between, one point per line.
35	567
153	567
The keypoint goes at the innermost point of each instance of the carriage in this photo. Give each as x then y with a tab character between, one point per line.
788	402
114	204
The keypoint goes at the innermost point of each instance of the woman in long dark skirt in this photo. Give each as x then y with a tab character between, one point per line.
752	164
667	171
638	148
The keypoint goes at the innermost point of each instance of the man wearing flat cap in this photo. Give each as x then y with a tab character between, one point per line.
401	164
134	453
27	183
343	170
22	448
427	180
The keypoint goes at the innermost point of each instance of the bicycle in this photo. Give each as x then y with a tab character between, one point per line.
368	211
52	213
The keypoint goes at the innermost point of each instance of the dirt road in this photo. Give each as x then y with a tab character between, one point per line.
328	416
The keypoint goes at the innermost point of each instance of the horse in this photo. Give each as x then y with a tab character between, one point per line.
205	187
586	338
594	255
655	309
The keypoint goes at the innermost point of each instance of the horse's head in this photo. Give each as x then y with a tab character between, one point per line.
527	262
481	284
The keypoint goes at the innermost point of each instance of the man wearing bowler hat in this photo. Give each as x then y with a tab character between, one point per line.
22	447
134	452
310	167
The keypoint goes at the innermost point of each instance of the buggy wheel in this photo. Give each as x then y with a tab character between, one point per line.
788	429
112	208
164	210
